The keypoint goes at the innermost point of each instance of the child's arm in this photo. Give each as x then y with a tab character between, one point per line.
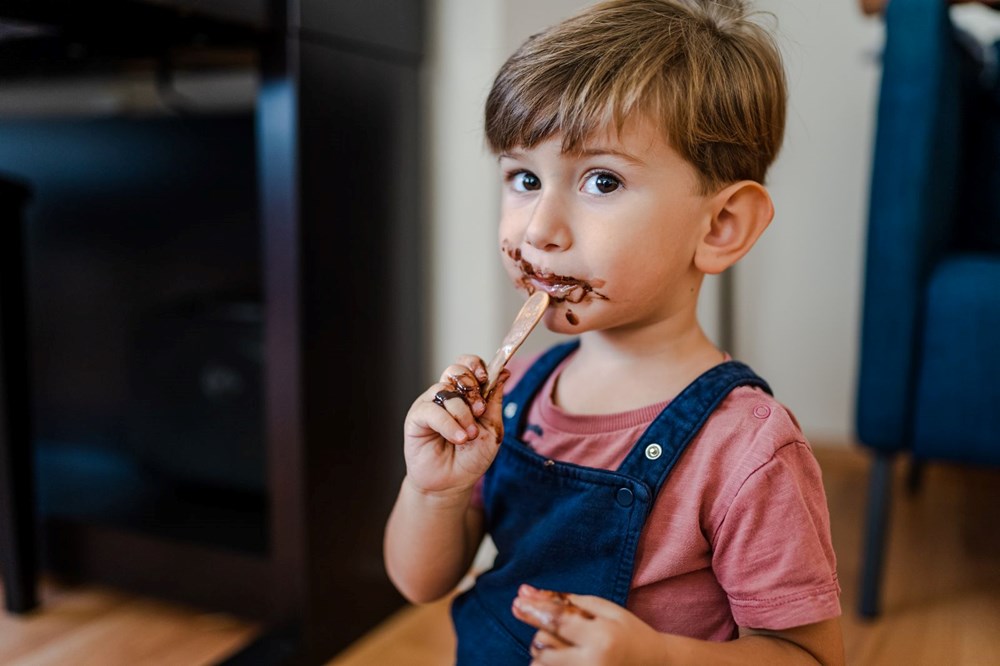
591	631
432	534
430	542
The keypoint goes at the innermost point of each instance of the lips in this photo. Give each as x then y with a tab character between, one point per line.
572	290
561	288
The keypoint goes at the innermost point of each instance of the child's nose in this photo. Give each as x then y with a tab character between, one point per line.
547	227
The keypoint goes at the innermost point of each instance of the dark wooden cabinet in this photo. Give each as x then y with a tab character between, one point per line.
224	308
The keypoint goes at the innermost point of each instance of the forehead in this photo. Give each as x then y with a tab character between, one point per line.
638	140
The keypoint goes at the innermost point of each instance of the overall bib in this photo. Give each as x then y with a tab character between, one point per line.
569	528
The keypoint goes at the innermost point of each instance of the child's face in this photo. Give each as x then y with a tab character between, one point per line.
610	232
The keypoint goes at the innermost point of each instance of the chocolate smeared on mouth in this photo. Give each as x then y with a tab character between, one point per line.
572	318
561	288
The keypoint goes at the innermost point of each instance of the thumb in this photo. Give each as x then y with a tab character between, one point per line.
596	606
493	416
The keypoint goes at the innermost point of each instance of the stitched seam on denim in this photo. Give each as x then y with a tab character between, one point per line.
527	388
529	459
623	583
689	430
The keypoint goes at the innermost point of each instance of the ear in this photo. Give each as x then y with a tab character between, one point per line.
739	213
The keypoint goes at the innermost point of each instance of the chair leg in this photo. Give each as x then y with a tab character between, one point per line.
915	476
879	495
18	556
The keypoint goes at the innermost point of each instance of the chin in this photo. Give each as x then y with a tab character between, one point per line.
563	320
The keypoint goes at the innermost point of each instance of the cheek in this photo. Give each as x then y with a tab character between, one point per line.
508	233
633	271
507	258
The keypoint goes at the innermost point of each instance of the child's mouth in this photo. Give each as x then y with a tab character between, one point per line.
561	288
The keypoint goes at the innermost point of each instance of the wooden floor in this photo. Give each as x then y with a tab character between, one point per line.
93	626
941	595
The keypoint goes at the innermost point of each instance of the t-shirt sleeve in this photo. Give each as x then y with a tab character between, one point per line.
772	553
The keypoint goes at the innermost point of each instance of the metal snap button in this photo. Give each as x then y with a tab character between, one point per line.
762	411
625	497
510	410
654	451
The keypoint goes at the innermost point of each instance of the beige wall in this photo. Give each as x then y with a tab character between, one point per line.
798	291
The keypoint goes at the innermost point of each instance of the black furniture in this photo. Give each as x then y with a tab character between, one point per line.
17	528
224	308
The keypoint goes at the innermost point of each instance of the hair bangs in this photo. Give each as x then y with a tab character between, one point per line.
533	108
702	71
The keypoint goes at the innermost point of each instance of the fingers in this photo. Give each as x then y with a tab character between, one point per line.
462	379
550	650
455	408
546	610
545	640
492	417
449	407
593	616
561	615
477	365
451	419
595	606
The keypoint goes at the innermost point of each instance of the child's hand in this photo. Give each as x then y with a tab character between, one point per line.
576	629
451	433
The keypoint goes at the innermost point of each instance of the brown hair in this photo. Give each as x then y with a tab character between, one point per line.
700	69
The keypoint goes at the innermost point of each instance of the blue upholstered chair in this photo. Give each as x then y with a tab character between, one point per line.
929	382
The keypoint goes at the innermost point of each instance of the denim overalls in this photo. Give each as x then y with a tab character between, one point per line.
564	527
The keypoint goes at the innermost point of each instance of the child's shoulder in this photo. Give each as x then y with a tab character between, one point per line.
762	424
756	403
751	445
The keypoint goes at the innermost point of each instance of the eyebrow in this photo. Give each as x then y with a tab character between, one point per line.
600	150
584	152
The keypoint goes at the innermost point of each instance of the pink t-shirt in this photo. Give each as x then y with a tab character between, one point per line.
739	535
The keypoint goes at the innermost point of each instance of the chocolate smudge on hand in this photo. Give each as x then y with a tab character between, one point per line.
469	394
444	396
547	609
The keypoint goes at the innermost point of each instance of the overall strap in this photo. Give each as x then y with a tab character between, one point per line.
654	455
517	401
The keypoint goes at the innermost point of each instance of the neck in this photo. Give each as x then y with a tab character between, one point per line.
670	341
646	365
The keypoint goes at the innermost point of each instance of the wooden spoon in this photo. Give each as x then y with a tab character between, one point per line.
525	322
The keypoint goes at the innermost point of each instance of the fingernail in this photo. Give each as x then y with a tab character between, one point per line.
459	436
472	430
479	407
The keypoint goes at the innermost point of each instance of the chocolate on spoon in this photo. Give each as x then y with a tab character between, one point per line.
525	322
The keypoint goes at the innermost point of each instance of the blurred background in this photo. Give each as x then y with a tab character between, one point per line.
246	234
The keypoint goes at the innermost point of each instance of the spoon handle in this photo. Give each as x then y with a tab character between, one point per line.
525	322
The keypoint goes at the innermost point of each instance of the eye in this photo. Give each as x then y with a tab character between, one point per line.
525	181
601	183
